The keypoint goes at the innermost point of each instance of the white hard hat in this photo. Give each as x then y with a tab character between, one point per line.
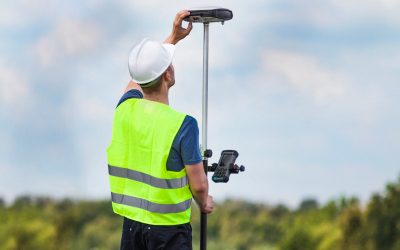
149	59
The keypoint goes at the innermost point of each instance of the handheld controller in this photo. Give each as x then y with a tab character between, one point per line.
226	166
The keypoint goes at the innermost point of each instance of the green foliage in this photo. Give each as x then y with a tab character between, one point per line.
342	224
351	223
308	204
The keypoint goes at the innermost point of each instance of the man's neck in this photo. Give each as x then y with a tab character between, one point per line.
159	97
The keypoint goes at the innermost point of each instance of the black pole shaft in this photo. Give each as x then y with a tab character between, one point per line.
203	234
203	219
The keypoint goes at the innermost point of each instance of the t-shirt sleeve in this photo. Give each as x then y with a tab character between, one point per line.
133	93
189	141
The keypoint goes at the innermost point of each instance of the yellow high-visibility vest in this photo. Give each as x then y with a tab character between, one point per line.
142	189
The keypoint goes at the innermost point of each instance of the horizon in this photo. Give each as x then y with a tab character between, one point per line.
320	204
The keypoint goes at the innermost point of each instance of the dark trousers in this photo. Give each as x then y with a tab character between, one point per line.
140	236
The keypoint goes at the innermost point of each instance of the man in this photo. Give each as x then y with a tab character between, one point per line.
154	160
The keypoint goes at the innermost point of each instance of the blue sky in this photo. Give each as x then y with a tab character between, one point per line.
307	92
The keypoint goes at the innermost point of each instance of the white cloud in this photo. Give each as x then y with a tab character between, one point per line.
67	39
15	14
335	13
304	73
13	86
88	108
9	17
346	11
390	4
344	98
178	5
369	4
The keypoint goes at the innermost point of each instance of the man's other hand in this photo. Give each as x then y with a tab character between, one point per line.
208	208
179	32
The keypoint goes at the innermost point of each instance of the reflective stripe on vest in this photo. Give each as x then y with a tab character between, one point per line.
151	206
147	179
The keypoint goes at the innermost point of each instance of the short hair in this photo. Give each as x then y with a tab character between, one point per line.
153	86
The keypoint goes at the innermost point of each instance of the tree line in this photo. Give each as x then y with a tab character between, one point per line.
343	224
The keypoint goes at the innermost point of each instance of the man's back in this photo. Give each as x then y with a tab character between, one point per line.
142	188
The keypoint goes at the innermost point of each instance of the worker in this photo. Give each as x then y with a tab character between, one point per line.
154	160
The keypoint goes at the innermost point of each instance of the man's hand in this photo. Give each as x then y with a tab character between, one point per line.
178	32
208	208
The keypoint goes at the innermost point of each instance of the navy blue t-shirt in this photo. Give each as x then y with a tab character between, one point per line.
185	148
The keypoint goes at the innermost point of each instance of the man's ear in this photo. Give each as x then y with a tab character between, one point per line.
167	74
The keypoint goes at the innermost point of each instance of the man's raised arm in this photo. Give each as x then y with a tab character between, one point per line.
178	32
